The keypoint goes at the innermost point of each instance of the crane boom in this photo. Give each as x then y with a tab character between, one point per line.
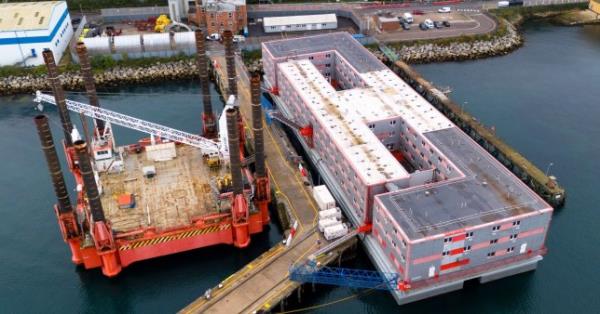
206	145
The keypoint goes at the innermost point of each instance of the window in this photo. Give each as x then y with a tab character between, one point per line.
448	240
469	234
328	55
516	223
230	14
403	243
494	241
102	152
490	254
510	249
467	248
495	228
445	253
324	24
371	126
328	65
311	58
393	244
513	236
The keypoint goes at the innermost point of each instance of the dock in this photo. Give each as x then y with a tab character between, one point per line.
264	283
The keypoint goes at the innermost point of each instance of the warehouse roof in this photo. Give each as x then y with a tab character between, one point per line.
26	15
299	19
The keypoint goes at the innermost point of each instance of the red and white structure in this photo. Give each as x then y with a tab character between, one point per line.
441	209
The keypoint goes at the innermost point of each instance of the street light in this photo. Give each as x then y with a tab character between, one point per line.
548	168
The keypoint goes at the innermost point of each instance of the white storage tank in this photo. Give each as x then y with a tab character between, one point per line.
157	42
127	43
185	41
330	213
323	197
328	222
97	45
335	231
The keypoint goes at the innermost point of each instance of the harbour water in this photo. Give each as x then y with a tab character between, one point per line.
543	99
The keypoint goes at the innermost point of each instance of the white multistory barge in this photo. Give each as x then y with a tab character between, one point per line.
442	210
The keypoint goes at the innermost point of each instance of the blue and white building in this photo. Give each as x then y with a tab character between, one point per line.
27	28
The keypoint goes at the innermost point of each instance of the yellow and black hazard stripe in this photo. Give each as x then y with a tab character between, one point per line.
176	236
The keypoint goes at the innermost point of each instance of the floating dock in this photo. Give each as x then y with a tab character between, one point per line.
442	209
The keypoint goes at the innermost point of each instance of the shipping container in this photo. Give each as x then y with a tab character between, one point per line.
323	198
330	213
335	231
327	222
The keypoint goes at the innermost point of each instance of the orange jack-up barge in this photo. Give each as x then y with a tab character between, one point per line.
159	196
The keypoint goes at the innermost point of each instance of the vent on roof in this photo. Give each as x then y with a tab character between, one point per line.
20	21
16	14
37	14
41	20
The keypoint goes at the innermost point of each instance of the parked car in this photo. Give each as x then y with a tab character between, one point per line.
444	10
446	23
512	3
438	24
423	27
407	17
418	12
405	26
428	23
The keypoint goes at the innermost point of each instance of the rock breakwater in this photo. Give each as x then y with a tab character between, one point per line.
156	73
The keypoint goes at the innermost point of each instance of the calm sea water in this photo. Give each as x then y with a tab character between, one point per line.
543	99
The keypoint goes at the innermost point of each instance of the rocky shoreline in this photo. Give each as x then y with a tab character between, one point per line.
72	81
459	51
186	69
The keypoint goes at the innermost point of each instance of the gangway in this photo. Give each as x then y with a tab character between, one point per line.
305	131
337	276
206	145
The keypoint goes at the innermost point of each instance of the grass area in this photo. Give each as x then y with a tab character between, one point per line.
250	56
99	64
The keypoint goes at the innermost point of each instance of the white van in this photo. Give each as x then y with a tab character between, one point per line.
503	4
428	23
408	18
238	38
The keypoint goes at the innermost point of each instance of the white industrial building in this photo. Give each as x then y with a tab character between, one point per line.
298	23
27	28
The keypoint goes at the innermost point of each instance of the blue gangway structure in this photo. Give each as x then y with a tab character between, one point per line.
347	277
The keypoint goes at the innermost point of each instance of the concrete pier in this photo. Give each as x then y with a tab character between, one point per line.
263	284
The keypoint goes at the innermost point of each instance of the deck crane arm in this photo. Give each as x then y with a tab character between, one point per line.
206	145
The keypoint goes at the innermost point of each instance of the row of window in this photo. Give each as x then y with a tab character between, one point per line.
508	250
514	223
